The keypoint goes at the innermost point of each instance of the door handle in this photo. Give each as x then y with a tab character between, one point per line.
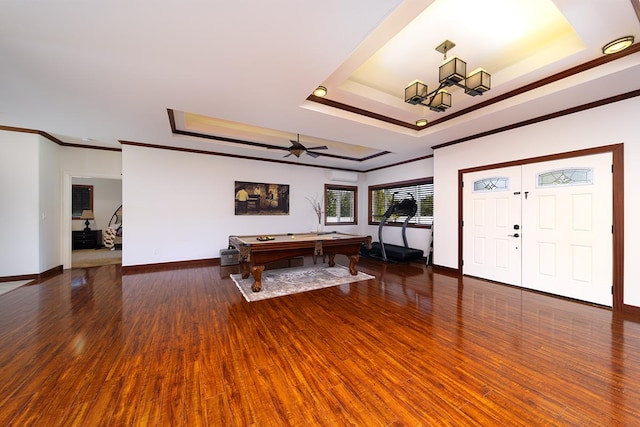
514	235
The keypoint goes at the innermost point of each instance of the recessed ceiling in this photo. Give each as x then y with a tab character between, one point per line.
510	40
528	34
259	138
101	73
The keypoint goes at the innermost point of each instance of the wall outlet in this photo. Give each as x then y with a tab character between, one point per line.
156	251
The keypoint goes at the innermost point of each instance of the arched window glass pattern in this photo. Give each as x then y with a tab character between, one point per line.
564	177
495	183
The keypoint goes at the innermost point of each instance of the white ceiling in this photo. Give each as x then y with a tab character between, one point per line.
96	73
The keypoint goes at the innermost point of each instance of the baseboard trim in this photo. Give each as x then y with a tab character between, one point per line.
146	268
631	310
445	270
39	276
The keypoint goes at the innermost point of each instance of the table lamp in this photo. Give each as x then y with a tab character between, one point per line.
86	215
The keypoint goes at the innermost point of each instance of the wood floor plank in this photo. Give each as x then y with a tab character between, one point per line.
181	346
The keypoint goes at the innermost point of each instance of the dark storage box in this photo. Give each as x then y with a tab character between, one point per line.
229	257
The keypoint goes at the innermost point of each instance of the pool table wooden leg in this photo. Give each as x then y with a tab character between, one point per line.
331	260
256	272
353	260
244	269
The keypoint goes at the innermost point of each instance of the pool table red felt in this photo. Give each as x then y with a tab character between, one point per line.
255	253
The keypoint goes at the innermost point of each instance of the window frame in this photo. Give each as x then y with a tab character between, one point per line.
337	187
81	191
393	186
586	171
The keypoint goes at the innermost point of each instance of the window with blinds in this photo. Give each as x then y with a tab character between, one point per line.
382	196
340	203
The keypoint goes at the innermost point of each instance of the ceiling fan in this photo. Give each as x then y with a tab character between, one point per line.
297	149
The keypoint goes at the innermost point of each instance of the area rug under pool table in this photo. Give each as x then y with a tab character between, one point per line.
287	281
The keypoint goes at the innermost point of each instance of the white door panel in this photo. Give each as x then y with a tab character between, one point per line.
491	210
567	240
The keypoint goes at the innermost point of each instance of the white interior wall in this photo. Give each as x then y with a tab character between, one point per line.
50	204
610	124
180	206
30	188
90	163
418	238
19	228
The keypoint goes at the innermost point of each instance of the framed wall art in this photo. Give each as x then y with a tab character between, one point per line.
254	198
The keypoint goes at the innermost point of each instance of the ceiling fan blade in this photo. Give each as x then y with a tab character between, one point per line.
287	155
297	144
297	149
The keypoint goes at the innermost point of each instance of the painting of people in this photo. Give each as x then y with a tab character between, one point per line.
253	198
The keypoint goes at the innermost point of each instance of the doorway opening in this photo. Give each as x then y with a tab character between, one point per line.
86	247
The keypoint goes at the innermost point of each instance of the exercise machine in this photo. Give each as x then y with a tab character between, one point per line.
388	252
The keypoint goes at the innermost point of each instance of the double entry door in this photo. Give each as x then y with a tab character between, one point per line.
543	226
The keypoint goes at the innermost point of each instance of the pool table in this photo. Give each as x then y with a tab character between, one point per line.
257	250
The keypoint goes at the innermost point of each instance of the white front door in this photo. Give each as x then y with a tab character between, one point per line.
491	225
545	226
567	228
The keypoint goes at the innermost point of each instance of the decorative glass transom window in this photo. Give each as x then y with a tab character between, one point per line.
573	176
495	183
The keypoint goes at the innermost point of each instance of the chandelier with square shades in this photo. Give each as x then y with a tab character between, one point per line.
452	73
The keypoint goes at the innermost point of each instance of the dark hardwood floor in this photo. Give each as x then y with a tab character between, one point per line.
91	347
